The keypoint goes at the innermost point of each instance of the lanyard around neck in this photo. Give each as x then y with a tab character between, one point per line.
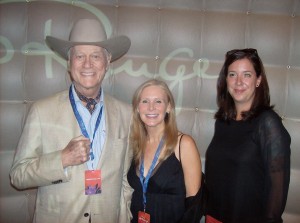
145	181
81	123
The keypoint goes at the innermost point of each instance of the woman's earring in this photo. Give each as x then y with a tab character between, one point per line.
257	85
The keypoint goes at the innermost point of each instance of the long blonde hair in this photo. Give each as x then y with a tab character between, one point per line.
139	133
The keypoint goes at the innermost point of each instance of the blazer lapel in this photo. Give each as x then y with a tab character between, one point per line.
110	126
68	117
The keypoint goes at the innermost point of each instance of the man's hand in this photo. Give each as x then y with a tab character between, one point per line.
76	152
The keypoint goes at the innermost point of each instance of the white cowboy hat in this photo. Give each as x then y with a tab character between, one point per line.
89	32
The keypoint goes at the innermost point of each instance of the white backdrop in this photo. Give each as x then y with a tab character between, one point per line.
180	41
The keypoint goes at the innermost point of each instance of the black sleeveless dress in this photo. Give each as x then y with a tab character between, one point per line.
165	193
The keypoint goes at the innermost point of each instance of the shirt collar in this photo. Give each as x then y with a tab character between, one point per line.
76	98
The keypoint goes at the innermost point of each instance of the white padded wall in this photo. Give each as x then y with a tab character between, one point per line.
181	42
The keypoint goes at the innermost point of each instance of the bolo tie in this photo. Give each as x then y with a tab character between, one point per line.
90	102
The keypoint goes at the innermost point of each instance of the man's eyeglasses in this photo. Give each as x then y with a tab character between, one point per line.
245	51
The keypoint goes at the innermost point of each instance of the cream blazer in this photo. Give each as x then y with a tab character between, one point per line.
49	127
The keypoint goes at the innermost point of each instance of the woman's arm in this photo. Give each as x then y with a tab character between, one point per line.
191	164
275	145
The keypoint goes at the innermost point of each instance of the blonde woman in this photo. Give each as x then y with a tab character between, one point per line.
166	168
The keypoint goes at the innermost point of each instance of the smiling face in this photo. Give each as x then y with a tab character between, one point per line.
87	66
153	106
241	84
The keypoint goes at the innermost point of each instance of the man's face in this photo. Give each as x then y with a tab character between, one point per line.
87	66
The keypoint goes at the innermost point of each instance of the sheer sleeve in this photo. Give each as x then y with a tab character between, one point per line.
275	146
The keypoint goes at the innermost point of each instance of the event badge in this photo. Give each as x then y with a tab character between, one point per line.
210	219
143	217
92	182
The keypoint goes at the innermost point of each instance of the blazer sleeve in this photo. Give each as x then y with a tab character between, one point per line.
31	167
125	215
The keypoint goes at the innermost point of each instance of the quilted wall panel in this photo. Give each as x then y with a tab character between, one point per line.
181	42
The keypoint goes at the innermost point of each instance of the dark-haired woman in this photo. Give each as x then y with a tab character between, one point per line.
248	159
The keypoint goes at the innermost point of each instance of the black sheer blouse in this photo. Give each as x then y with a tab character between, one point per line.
248	170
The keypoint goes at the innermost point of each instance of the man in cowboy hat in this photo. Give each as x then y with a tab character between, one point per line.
74	146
